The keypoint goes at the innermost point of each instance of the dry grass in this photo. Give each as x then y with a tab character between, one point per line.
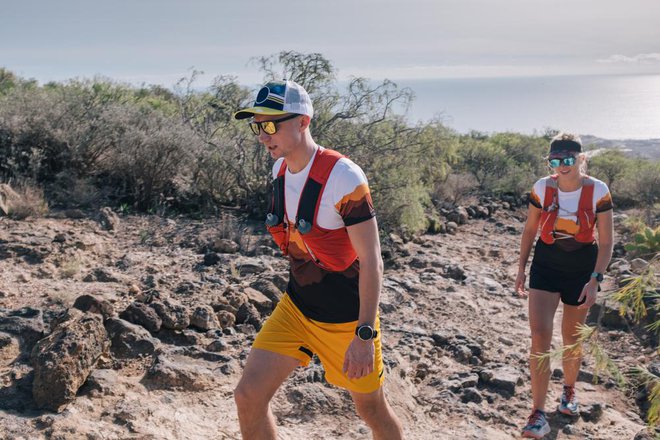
71	268
29	203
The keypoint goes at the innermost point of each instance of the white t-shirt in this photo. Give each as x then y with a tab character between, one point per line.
568	204
346	182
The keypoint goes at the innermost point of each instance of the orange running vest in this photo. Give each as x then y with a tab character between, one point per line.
586	218
330	249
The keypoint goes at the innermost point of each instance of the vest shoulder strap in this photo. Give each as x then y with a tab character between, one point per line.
277	202
550	197
587	194
323	164
282	169
310	199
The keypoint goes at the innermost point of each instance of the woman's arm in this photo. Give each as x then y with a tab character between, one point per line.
605	240
605	245
526	242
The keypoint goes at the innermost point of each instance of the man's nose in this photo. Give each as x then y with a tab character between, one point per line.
263	136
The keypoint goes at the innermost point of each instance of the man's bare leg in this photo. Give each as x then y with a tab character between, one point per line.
377	413
263	374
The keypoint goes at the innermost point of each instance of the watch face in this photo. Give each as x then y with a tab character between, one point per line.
365	333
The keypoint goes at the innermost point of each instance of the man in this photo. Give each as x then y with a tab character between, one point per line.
322	217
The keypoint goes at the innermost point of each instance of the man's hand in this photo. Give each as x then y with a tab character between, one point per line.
359	358
589	293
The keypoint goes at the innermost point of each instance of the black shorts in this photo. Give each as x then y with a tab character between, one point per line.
556	270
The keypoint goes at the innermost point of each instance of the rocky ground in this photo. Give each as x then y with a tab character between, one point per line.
166	309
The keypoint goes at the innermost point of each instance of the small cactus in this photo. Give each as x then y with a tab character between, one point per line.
646	242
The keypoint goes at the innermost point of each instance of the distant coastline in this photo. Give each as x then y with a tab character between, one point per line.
645	148
610	108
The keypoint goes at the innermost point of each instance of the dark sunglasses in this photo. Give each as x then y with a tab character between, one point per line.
269	127
569	161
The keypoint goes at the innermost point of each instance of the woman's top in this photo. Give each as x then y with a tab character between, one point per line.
566	226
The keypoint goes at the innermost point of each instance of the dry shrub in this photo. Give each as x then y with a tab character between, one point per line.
72	191
455	188
26	201
150	153
70	268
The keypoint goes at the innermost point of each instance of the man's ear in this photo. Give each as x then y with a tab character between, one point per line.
304	122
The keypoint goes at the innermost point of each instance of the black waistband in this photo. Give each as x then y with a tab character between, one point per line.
554	257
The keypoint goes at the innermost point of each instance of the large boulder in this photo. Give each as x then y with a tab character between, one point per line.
108	219
463	348
26	324
101	275
610	316
226	319
203	317
174	316
224	246
268	288
263	304
103	382
129	340
501	379
141	314
248	314
171	371
9	349
455	272
91	304
63	360
481	212
458	215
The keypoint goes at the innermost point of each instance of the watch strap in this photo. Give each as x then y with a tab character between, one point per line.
597	275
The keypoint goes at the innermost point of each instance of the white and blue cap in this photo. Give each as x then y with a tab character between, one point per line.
278	98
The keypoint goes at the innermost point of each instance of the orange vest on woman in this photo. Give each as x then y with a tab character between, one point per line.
586	218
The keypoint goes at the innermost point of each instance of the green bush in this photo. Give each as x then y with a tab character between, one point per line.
609	166
641	183
89	143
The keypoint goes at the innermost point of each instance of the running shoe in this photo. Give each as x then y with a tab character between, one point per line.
568	404
537	426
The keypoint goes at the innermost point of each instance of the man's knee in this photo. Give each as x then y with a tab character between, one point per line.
371	409
248	396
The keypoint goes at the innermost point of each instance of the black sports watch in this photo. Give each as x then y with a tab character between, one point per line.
366	332
598	276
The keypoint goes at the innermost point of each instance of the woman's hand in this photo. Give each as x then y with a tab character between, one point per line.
520	283
589	294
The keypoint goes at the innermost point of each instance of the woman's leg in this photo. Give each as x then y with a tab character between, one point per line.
573	317
542	308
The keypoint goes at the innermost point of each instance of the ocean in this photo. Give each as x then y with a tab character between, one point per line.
606	106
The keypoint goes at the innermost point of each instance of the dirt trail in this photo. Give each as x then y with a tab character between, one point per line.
455	336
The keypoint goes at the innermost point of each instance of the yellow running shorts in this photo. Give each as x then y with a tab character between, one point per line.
288	332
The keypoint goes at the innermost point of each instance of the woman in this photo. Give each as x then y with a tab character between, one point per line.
568	265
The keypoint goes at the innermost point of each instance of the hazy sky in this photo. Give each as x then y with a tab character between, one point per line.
158	41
